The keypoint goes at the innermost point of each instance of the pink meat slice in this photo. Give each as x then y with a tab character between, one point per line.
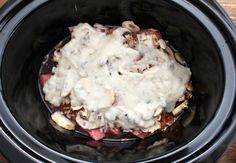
96	134
113	131
105	28
43	78
140	134
71	29
151	31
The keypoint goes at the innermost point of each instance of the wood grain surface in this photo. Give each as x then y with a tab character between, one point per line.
2	2
230	7
230	155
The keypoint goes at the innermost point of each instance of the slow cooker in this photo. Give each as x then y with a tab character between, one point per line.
200	30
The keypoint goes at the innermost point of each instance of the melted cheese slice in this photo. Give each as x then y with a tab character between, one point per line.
99	72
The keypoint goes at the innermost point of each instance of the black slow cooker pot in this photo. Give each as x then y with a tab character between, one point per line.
199	29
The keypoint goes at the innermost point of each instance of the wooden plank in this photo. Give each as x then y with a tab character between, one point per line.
230	155
230	7
2	159
2	2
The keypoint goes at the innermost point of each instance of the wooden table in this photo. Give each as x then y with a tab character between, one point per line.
230	155
230	7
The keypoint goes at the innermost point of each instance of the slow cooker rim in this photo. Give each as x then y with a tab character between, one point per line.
229	133
7	112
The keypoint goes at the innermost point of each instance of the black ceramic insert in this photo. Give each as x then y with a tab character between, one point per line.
35	27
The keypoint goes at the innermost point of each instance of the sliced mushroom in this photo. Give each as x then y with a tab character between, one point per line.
88	121
155	40
84	114
158	112
152	129
162	43
130	41
70	114
65	100
179	59
62	121
189	86
170	52
188	95
150	41
56	56
130	26
180	108
141	37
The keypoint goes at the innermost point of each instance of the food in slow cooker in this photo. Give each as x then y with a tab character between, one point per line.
111	80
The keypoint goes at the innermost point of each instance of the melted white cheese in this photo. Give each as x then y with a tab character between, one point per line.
99	72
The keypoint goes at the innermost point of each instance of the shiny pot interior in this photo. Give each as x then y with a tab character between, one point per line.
48	24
